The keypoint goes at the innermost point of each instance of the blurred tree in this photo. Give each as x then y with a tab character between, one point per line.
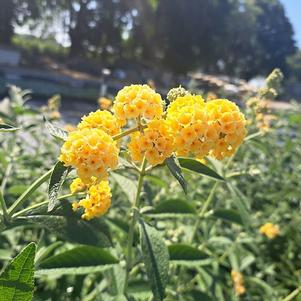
274	34
14	12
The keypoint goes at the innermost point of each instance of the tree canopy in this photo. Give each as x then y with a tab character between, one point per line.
235	37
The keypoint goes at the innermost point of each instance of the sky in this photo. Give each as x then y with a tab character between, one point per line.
293	11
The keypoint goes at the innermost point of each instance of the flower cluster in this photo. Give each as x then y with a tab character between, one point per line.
238	280
189	127
155	142
137	101
103	120
270	230
188	120
216	127
229	123
97	202
91	151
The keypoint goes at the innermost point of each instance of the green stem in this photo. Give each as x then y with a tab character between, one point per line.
27	193
292	295
135	205
203	211
4	208
65	196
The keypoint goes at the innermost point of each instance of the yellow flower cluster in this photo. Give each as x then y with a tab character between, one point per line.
77	185
190	127
155	142
270	230
103	120
91	151
97	202
188	120
229	123
137	101
238	281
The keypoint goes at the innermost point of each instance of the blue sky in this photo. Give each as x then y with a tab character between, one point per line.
293	11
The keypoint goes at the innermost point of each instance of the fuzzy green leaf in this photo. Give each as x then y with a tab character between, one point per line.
16	282
57	178
127	185
176	171
185	254
200	168
229	215
156	259
8	128
78	261
66	224
55	131
173	208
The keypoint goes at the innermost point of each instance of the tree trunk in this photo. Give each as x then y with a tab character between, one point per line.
6	20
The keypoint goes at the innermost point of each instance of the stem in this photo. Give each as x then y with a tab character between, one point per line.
135	205
292	295
27	193
4	208
65	196
125	133
203	211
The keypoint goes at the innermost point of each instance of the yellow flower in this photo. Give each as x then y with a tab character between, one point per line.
91	151
155	142
103	120
104	103
238	281
229	124
97	202
188	121
137	101
77	185
270	230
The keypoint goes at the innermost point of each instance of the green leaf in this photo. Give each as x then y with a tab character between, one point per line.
16	282
128	186
185	254
228	215
57	178
173	208
124	226
200	168
8	128
55	131
156	259
240	205
66	224
176	172
16	190
78	261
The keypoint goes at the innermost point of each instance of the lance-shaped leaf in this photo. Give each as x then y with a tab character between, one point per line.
176	171
127	185
16	282
186	255
172	208
156	259
78	261
65	223
229	215
55	131
200	168
57	178
8	128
